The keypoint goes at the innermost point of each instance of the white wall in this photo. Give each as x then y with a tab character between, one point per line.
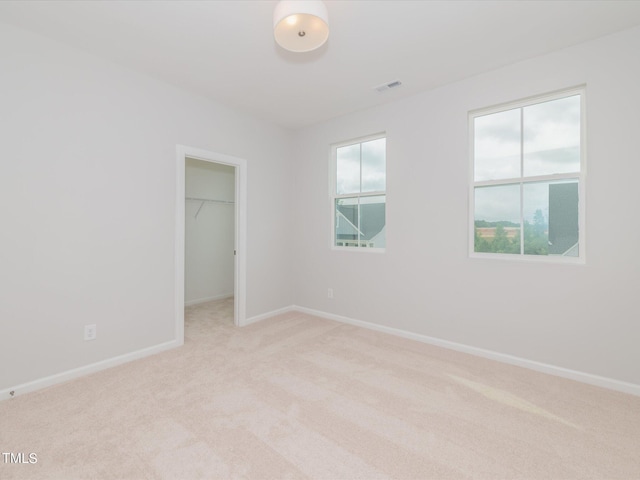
583	318
87	205
209	236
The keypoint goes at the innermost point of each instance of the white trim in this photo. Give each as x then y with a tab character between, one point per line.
198	301
179	246
582	377
357	140
533	179
519	257
333	194
84	370
273	313
604	382
338	248
380	193
240	265
580	176
530	100
582	189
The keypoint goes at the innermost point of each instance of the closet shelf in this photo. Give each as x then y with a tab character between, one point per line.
207	200
210	200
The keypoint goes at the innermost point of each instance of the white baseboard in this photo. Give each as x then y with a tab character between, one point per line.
198	301
583	377
85	370
264	316
62	377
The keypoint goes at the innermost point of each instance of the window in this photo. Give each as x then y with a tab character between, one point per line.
358	200
528	178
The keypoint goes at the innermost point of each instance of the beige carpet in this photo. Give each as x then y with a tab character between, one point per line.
301	397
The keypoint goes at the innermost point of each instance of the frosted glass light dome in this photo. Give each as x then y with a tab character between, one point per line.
301	25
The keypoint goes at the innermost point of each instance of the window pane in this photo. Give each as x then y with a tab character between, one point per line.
347	231
348	169
552	137
497	146
551	218
536	218
372	221
563	219
497	219
374	165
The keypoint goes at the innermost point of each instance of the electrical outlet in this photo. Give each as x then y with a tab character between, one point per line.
330	293
90	332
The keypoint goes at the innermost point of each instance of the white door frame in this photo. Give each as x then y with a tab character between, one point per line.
182	153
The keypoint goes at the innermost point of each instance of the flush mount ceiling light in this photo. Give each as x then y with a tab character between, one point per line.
301	25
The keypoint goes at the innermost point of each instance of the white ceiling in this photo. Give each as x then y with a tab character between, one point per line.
225	50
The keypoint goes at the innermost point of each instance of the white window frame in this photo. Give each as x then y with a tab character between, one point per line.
333	195
523	180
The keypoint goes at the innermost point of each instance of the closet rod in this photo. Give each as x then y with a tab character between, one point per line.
205	200
210	200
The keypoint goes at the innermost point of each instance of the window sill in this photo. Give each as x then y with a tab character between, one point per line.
548	259
358	249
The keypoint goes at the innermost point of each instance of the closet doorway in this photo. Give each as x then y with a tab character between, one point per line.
210	226
209	239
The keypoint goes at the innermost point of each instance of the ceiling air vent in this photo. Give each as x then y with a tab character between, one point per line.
387	86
